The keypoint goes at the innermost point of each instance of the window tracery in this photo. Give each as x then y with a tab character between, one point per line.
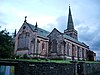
23	41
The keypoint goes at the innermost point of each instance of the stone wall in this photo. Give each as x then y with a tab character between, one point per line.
51	68
37	68
92	68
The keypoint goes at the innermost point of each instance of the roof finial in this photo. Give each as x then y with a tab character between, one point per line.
15	33
25	18
36	24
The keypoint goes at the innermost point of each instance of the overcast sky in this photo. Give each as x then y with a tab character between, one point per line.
51	14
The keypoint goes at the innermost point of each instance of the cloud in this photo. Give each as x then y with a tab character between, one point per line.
51	14
2	23
46	22
88	32
96	41
61	23
97	55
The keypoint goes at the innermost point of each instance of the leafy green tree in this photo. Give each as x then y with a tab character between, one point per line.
6	44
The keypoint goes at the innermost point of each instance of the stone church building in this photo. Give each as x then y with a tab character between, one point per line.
37	42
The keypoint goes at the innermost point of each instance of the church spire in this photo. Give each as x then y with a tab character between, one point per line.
70	24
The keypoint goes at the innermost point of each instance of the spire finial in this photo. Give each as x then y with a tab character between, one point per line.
69	10
69	5
25	18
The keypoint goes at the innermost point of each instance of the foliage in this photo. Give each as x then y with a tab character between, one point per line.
25	56
6	44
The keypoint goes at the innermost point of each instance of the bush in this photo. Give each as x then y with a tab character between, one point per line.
25	56
13	57
17	56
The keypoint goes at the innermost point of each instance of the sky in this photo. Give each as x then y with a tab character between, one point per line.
51	14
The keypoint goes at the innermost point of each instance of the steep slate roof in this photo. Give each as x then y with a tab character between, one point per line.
40	32
74	40
43	33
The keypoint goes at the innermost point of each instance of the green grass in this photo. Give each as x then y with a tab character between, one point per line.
55	61
41	60
92	62
89	61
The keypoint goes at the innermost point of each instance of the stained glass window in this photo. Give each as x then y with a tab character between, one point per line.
23	41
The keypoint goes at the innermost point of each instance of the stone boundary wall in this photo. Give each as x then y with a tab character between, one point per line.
92	68
37	68
50	68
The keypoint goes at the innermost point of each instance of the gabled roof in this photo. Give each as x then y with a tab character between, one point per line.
40	32
55	30
43	33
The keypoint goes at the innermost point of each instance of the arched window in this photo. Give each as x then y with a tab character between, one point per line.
78	56
43	45
82	53
68	48
27	40
43	48
54	46
73	50
19	41
32	46
23	41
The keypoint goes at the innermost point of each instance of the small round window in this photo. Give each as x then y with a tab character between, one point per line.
24	27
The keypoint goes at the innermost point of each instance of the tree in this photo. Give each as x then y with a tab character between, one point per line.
6	44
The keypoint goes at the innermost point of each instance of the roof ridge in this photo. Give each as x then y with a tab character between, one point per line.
38	27
74	40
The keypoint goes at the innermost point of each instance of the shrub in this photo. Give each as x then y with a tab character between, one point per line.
25	56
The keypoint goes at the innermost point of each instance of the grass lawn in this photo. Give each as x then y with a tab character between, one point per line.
41	60
38	60
55	61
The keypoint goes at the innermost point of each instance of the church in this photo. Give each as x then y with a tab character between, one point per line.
37	42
